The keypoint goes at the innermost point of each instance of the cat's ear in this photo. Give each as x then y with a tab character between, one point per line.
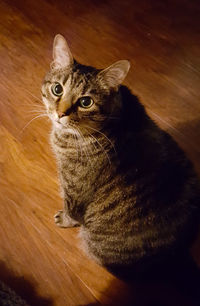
115	74
62	57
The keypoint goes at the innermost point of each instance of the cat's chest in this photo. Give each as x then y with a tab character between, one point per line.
78	178
80	164
75	170
77	167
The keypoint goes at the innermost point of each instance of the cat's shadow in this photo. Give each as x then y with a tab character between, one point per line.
23	287
174	282
189	134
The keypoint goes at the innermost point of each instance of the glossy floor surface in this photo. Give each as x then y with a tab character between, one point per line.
162	40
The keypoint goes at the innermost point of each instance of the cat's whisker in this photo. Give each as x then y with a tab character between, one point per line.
78	136
84	147
35	113
80	146
32	112
36	105
30	116
104	136
75	139
32	95
93	143
100	145
39	116
36	110
104	151
32	106
87	147
77	150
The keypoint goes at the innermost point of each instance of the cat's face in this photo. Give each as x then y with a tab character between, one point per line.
80	97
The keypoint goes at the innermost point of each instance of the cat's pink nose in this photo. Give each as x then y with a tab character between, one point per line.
61	114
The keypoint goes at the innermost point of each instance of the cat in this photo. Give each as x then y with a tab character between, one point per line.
124	181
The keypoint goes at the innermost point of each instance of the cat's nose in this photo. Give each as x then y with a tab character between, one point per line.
61	114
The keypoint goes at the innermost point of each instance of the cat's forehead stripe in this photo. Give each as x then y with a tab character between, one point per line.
66	77
85	88
79	83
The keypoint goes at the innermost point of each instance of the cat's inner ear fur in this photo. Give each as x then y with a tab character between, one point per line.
62	57
115	74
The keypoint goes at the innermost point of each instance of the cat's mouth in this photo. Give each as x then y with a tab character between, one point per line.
65	124
59	122
61	125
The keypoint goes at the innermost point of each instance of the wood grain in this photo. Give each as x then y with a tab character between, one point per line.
43	263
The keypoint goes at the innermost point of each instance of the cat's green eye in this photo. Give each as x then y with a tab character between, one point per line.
57	89
86	102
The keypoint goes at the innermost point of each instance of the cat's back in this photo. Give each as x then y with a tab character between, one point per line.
152	199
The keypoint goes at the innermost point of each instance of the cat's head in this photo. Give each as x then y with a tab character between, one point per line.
78	96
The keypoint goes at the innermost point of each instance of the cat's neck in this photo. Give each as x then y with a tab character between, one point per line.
71	143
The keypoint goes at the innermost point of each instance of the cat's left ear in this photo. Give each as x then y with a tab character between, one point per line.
115	74
62	57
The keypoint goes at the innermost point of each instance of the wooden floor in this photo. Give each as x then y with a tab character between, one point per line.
162	40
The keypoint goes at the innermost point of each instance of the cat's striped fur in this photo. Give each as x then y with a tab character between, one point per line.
124	180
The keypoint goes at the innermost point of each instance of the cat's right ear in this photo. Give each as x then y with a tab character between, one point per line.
62	57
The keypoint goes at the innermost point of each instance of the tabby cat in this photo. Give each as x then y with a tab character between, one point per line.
123	179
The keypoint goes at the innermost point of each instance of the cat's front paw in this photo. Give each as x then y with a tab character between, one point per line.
62	220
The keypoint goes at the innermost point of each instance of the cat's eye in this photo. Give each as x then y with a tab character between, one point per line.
57	89
86	102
